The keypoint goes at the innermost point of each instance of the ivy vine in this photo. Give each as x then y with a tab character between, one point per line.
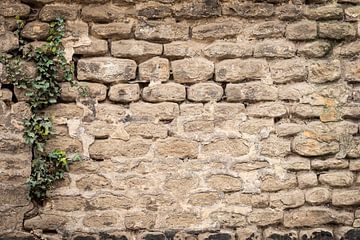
42	90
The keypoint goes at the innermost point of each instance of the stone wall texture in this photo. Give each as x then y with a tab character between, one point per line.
207	119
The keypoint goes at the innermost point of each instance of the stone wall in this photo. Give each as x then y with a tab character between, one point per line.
206	119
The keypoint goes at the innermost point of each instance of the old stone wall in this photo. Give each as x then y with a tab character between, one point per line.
205	119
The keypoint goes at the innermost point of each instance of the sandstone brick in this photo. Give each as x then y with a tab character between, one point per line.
309	144
162	31
303	30
216	30
52	11
94	90
225	183
226	110
324	71
61	110
222	49
153	10
124	93
288	129
273	184
192	70
101	13
314	49
287	199
102	129
197	9
66	203
270	29
349	49
284	71
231	147
35	30
307	111
101	220
204	198
327	12
337	179
171	92
275	147
227	219
295	91
161	111
147	130
12	9
179	49
275	48
237	70
135	49
318	195
140	220
199	126
289	12
346	197
177	148
205	92
296	163
307	179
154	70
250	10
106	69
264	217
95	48
354	165
256	126
352	13
266	110
182	220
9	42
110	113
253	91
46	222
331	163
336	30
351	69
112	30
313	216
102	149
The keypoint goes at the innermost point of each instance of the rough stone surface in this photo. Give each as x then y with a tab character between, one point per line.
196	120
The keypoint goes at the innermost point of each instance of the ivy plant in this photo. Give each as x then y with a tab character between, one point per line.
42	90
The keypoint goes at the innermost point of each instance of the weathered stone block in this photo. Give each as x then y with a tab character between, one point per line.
237	70
266	110
270	29
205	92
106	69
101	220
95	48
271	183
310	144
182	49
314	49
231	147
225	183
135	49
147	130
192	70
221	49
154	70
352	70
326	12
216	30
35	30
204	199
287	199
275	147
124	92
101	13
197	9
52	11
324	71
336	30
177	148
153	10
352	13
9	42
304	30
307	179
171	92
103	149
250	10
337	179
252	91
12	9
112	30
275	48
161	111
162	31
141	220
71	93
318	195
346	197
264	217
